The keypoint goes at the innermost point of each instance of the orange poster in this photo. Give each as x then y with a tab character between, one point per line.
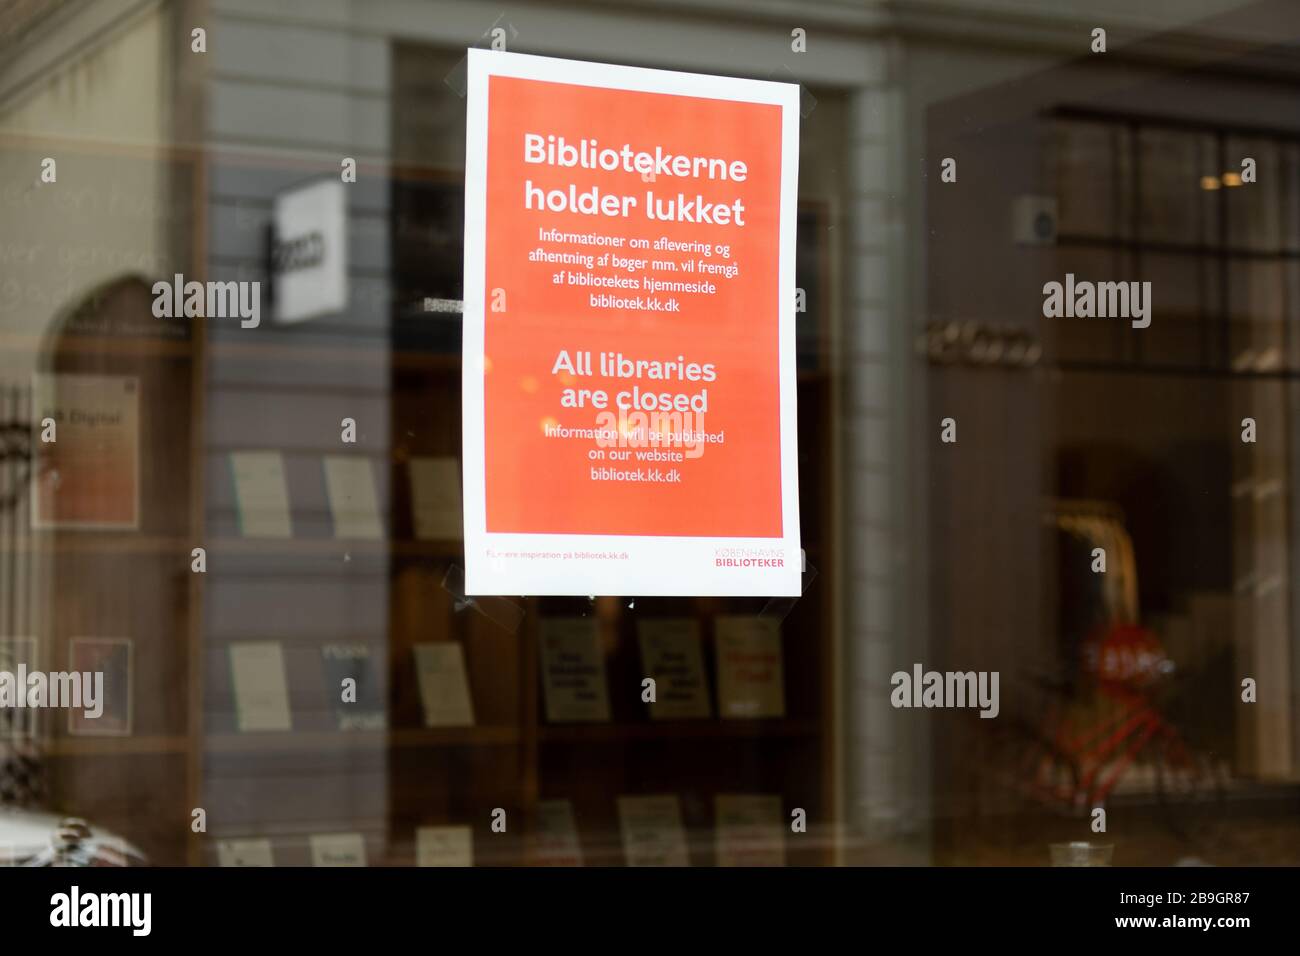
629	394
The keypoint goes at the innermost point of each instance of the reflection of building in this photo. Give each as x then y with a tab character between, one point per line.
170	161
1144	165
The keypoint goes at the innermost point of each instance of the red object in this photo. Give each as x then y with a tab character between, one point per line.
1125	657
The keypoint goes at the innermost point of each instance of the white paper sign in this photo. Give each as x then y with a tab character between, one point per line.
748	830
435	498
573	670
444	688
350	484
261	694
338	849
311	256
444	846
261	494
245	853
652	831
672	656
557	842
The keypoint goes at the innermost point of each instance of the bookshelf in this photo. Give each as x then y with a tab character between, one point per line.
511	758
401	590
209	385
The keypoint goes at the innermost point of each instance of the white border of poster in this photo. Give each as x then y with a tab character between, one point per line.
668	565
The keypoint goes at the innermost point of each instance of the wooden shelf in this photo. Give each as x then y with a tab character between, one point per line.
352	349
116	746
679	730
604	846
255	742
74	541
420	549
335	546
357	349
454	736
1199	250
426	360
314	547
99	345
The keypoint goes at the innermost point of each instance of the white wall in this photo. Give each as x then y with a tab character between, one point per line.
101	112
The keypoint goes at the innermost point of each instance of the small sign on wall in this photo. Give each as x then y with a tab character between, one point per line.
309	253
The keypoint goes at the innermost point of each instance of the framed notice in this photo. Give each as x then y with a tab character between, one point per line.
751	679
435	498
444	846
106	662
87	450
671	655
652	831
261	494
748	830
359	705
629	339
254	852
573	671
337	849
444	688
354	504
556	838
261	691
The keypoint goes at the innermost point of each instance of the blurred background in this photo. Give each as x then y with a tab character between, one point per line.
184	153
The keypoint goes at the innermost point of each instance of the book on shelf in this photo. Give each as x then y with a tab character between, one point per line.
748	830
249	852
652	831
353	684
337	849
444	846
444	687
671	655
261	693
111	657
261	494
556	840
751	681
86	451
436	503
354	503
573	671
